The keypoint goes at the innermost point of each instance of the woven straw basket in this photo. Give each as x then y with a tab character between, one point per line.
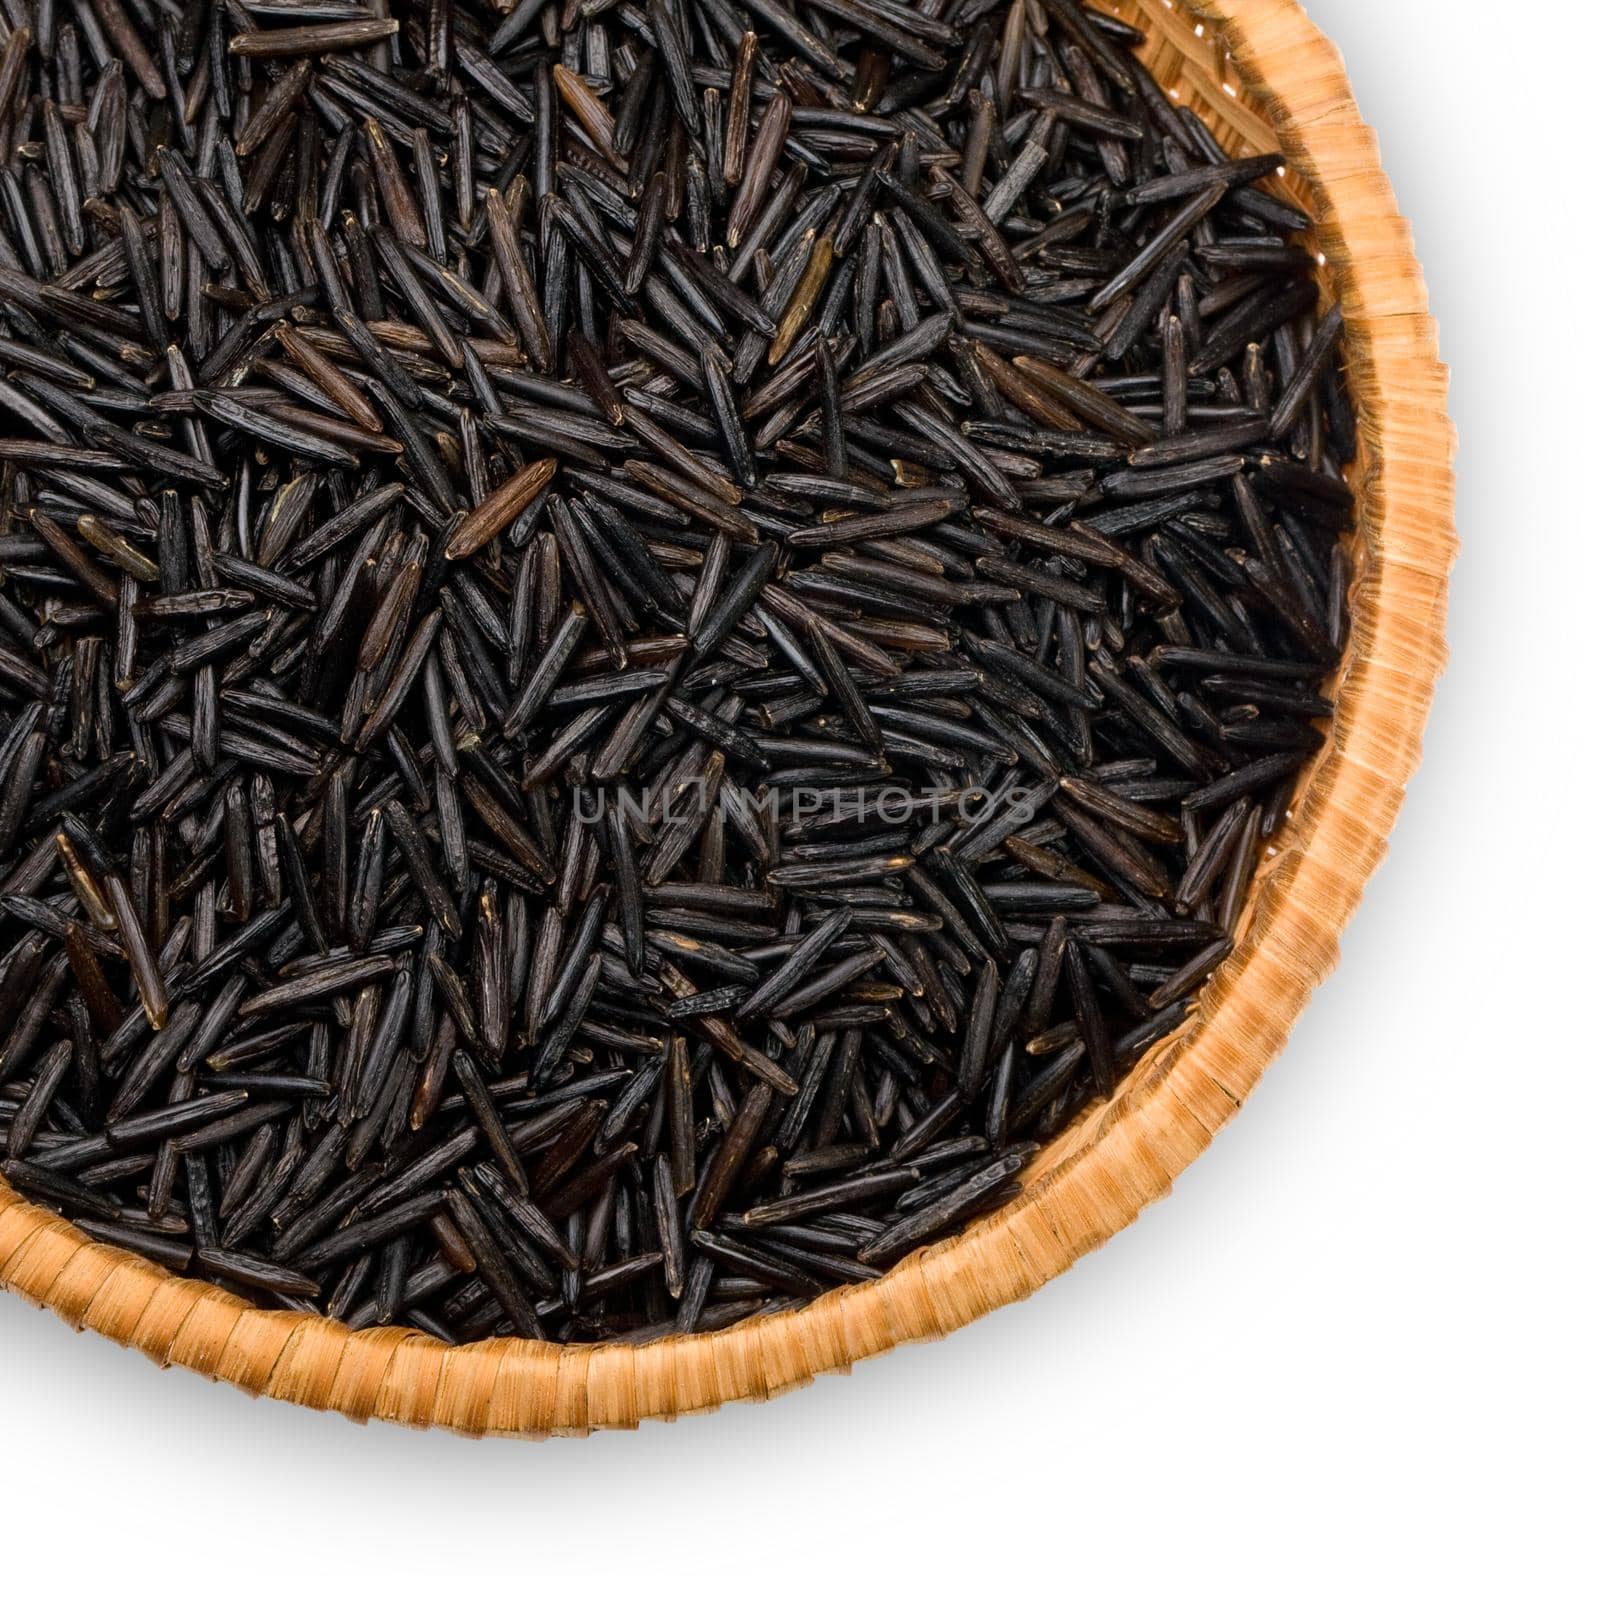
1263	77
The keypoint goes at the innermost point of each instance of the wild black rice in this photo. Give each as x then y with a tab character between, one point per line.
639	645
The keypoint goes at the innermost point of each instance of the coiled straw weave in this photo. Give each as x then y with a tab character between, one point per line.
1263	77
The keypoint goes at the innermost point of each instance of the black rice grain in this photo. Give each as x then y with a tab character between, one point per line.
639	645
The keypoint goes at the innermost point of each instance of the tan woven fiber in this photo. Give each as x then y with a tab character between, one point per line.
1262	76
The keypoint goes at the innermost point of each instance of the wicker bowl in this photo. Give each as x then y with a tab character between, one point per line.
1263	77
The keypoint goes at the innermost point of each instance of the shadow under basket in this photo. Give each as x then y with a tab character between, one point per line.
1263	78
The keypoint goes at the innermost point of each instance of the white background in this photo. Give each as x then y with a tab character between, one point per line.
1353	1353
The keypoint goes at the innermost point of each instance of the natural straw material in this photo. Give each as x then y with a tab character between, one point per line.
1263	77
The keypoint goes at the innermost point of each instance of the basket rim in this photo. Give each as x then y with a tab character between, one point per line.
1099	1175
